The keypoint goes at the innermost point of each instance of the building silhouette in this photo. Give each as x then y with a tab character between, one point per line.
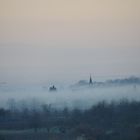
90	81
52	88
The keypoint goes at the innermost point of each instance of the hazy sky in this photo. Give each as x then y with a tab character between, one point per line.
66	39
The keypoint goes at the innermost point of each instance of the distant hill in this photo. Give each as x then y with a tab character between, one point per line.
110	82
130	80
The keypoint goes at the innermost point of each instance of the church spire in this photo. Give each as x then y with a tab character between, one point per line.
90	80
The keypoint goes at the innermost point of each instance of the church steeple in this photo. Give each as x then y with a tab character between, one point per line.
90	80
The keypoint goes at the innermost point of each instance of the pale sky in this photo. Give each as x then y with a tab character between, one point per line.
52	39
54	22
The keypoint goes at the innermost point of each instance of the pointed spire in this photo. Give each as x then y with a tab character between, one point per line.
90	80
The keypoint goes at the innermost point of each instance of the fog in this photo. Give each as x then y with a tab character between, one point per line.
29	72
65	96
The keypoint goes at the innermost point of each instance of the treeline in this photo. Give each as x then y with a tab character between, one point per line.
103	121
130	80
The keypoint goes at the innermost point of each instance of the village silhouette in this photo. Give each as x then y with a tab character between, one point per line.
134	81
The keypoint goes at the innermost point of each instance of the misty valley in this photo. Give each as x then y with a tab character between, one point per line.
69	69
87	110
82	94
